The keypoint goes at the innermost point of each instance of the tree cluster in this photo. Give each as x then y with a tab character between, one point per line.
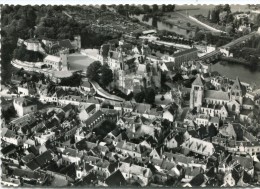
100	73
21	53
148	96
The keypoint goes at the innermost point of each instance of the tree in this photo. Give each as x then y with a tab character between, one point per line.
93	71
146	8
209	15
163	8
212	130
149	96
103	7
121	9
214	16
155	8
139	97
106	75
227	8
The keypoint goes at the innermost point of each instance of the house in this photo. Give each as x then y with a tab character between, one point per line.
170	141
11	137
102	168
6	104
228	180
170	112
30	176
70	156
85	113
27	89
128	148
182	56
116	179
246	116
248	104
83	169
8	181
67	109
141	108
40	161
135	173
199	146
85	85
233	130
214	121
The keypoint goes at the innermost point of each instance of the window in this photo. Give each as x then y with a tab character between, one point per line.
31	108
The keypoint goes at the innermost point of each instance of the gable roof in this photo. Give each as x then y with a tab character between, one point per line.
199	146
198	81
116	179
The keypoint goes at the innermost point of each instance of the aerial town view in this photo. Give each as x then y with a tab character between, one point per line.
130	96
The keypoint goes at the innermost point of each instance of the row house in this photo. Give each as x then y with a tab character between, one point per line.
70	156
215	110
12	137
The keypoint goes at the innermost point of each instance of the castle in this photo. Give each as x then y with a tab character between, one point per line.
132	71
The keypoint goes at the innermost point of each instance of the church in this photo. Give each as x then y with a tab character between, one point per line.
217	102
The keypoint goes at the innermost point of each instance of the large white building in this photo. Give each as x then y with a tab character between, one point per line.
24	106
54	62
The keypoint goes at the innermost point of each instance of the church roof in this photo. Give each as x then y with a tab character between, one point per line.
198	81
219	95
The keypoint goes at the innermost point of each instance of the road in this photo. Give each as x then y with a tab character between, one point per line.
103	93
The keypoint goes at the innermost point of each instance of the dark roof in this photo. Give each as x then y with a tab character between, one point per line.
90	108
44	157
112	167
8	149
95	116
198	81
28	174
33	165
197	180
24	101
116	179
66	43
67	107
69	170
90	178
33	149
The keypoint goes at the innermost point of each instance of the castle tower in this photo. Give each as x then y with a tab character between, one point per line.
196	93
64	60
237	91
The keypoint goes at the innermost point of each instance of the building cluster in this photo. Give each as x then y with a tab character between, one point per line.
55	51
196	133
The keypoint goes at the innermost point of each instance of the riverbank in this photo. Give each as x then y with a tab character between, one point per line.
237	61
233	70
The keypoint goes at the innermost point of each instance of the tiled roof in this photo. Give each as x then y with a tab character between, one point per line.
199	146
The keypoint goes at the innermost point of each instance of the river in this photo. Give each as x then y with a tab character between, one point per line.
232	70
166	26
